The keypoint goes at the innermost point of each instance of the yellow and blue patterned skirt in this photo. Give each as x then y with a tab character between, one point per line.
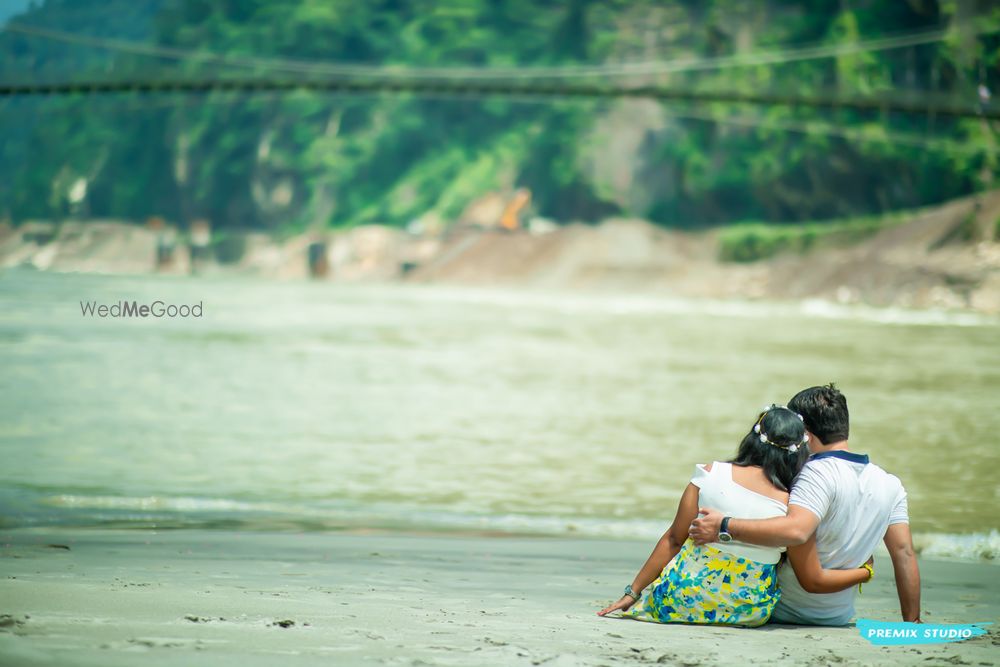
706	586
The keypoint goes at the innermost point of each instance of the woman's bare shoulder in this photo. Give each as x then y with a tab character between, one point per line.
753	478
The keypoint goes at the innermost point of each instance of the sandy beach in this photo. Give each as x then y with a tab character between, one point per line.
184	597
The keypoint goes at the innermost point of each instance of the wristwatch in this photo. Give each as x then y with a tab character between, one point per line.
724	535
632	594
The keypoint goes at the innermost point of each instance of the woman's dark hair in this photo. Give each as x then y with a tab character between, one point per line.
781	452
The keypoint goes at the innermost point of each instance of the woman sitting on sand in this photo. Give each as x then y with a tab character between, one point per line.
732	583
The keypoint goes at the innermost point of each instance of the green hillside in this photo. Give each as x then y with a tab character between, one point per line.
291	160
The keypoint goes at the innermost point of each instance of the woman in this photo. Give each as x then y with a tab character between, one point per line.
732	583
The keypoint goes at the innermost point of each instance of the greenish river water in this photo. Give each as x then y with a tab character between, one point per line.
317	406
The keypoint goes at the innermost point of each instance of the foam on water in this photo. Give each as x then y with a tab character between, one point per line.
655	304
144	509
974	547
893	315
155	503
194	512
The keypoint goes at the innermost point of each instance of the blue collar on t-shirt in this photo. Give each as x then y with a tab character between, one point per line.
841	454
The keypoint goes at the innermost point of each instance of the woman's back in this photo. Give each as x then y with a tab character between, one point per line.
719	487
753	478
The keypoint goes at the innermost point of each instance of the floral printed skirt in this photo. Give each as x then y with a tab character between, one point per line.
706	586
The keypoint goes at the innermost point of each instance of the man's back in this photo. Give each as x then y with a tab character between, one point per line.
856	502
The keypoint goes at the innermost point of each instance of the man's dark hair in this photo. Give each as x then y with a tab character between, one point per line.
824	410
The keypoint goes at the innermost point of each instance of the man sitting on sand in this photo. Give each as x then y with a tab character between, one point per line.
848	502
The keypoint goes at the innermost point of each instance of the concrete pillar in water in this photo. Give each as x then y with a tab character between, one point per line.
200	240
319	263
166	242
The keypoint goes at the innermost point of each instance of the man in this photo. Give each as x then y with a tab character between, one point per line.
849	503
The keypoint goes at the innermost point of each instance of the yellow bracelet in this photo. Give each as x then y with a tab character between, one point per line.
871	574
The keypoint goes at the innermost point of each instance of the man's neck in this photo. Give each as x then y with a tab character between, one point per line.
840	445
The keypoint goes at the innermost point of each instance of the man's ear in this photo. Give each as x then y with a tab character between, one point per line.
814	444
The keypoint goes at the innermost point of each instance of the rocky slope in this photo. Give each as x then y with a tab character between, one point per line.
942	257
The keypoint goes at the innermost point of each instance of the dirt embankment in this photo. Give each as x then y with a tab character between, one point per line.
941	257
927	261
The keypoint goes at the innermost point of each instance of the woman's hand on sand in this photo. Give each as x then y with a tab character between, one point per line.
624	603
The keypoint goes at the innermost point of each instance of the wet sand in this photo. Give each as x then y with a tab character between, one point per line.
185	597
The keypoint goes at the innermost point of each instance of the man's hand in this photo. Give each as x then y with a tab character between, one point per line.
623	604
705	528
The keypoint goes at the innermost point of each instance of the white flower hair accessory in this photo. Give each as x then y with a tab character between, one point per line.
794	447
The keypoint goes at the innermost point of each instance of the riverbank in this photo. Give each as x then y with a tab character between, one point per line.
945	257
104	597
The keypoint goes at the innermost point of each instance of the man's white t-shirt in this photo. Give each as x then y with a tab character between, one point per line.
856	502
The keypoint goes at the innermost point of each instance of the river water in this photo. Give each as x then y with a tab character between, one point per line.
317	406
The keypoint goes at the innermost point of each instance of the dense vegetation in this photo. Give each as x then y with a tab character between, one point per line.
295	159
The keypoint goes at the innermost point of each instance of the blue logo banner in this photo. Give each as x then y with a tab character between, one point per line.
882	633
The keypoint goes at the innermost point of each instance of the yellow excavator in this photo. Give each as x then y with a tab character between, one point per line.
510	219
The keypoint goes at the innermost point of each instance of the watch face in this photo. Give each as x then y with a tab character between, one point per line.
725	537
